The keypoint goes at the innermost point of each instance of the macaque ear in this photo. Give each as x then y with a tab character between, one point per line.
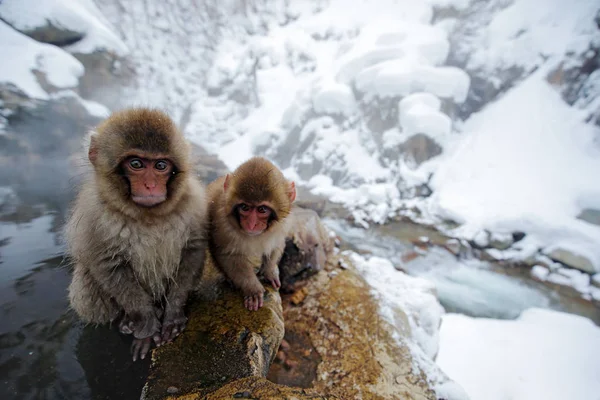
93	150
226	183
292	192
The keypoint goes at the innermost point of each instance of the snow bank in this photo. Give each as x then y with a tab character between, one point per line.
400	293
525	164
543	355
23	55
525	34
402	77
403	297
80	16
419	113
334	98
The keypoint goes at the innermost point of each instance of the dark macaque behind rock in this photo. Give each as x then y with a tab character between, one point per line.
306	248
136	234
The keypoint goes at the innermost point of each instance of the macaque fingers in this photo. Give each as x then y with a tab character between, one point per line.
140	348
254	302
172	328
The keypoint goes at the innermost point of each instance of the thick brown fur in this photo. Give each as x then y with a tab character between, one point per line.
133	261
235	253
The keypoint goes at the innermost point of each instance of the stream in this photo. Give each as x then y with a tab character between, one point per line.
467	286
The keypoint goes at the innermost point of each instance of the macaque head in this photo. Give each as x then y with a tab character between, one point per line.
140	159
258	196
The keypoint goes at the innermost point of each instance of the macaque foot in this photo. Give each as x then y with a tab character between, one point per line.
253	302
126	326
172	327
140	348
273	279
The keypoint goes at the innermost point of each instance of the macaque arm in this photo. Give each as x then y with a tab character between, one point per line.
271	268
241	272
188	274
118	280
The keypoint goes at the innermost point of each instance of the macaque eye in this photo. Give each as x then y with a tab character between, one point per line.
262	209
161	165
136	163
244	207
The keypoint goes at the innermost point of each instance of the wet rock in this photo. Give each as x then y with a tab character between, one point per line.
590	215
518	236
223	342
259	388
453	246
307	248
419	148
596	280
572	260
347	351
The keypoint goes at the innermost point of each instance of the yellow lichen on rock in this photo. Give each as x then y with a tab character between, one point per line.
359	358
223	342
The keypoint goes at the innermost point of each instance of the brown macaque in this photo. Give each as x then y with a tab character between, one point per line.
248	225
137	232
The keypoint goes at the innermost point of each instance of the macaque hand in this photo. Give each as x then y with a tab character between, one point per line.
145	330
140	348
272	275
253	296
173	324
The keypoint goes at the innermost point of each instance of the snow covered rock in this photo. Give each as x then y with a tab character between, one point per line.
573	260
79	24
590	215
501	241
334	99
36	68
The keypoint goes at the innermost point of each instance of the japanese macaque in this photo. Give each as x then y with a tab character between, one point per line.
248	225
137	232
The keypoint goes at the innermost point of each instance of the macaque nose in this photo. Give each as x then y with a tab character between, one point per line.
150	184
252	221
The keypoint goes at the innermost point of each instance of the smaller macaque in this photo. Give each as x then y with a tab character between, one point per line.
248	212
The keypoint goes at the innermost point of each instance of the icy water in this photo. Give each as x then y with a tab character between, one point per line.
472	287
45	353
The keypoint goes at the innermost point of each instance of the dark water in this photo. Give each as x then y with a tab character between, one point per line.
45	352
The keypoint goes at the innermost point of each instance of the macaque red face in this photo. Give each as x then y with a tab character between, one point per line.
254	220
148	179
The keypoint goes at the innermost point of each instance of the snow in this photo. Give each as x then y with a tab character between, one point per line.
402	294
524	165
403	299
26	56
80	16
525	34
421	115
334	98
543	355
401	77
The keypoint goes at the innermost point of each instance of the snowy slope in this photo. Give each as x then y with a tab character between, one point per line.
24	56
527	163
543	355
80	16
